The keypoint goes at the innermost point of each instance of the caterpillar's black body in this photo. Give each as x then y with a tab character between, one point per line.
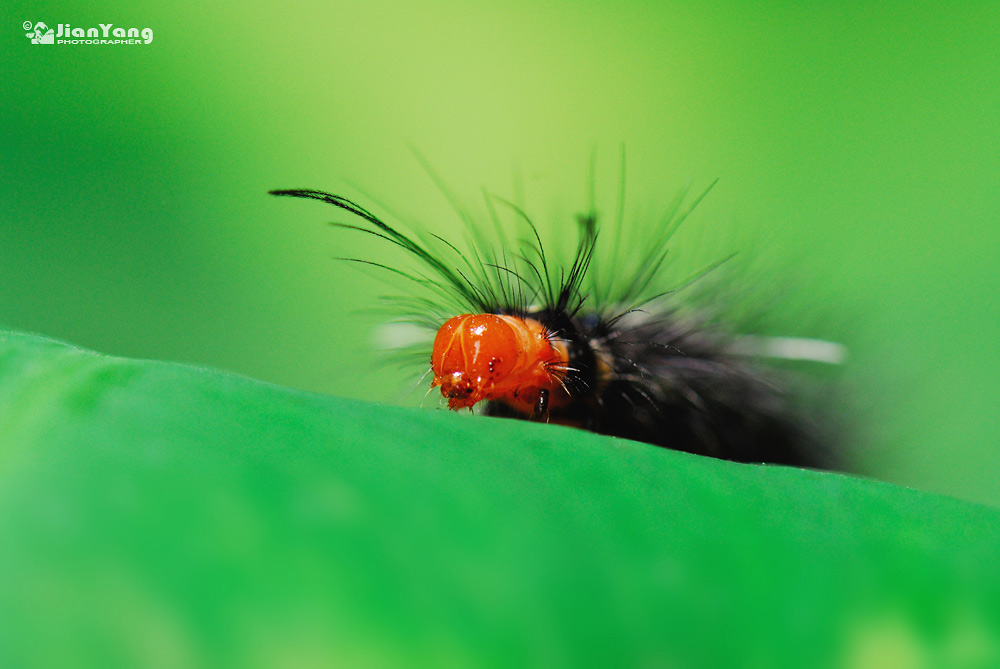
636	367
658	381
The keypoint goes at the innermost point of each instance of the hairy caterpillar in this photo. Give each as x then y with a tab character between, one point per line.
527	337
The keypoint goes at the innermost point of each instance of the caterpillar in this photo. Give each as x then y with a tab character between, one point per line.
524	336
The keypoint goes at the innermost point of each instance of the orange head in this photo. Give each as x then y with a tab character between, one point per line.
494	357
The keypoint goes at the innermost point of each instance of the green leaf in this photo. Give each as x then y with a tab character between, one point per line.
154	514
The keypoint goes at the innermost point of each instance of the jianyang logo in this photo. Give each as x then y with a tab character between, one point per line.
106	33
40	34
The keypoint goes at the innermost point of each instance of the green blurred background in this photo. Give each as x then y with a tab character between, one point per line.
857	151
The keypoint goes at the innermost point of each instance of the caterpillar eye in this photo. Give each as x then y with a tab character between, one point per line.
461	391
